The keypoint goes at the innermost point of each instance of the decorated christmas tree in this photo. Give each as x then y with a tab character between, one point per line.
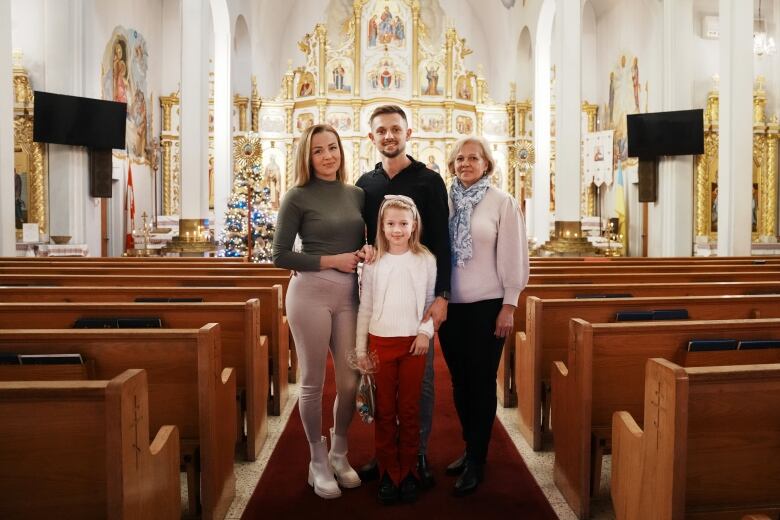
249	206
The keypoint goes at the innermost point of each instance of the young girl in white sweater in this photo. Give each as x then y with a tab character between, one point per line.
396	290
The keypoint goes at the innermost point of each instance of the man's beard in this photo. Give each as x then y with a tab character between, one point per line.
392	155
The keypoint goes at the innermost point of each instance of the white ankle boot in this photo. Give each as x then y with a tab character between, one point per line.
320	473
346	476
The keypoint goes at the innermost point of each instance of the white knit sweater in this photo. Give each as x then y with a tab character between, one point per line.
395	292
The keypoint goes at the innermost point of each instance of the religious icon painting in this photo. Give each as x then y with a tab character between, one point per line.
341	121
464	89
464	125
386	76
431	85
495	125
123	79
432	122
386	26
339	80
272	123
304	121
306	85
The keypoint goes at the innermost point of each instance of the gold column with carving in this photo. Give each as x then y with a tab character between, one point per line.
770	192
416	49
288	113
168	140
450	48
415	104
481	86
355	161
24	101
588	191
449	106
289	81
322	41
289	174
241	103
480	122
322	106
357	105
256	102
358	12
511	112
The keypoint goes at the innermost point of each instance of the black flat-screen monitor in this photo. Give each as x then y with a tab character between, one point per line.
666	133
79	121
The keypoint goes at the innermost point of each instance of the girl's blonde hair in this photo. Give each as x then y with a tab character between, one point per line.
304	170
405	203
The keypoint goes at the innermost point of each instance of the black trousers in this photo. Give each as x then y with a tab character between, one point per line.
473	352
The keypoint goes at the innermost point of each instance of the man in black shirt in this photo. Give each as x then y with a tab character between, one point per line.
400	174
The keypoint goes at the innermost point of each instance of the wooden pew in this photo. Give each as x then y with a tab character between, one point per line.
187	387
243	348
145	270
273	324
605	373
744	275
710	446
81	450
506	385
547	333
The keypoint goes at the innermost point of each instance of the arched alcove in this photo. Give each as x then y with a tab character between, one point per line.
242	58
525	65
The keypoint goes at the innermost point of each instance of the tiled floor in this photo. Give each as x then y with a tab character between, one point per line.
539	463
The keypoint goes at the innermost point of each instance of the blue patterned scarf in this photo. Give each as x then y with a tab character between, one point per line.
464	200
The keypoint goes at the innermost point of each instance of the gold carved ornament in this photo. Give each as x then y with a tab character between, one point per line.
247	152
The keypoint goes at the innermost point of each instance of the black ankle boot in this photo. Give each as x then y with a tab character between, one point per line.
369	471
469	480
388	491
408	489
424	472
457	466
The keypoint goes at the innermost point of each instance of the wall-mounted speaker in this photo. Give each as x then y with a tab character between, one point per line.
100	164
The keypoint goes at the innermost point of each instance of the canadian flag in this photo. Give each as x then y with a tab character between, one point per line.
130	209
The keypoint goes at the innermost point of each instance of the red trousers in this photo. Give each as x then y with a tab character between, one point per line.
397	418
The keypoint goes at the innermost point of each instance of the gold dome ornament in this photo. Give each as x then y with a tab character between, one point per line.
247	152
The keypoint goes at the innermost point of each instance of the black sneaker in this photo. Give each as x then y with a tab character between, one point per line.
388	491
409	489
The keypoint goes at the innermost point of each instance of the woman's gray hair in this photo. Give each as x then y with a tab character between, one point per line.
487	155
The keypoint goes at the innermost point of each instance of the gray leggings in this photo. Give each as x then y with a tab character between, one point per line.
322	311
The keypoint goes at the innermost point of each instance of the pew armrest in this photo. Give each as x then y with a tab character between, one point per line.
627	460
163	486
528	381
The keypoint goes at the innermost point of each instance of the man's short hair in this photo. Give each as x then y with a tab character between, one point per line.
387	109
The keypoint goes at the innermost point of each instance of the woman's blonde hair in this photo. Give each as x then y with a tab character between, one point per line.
304	170
404	203
486	153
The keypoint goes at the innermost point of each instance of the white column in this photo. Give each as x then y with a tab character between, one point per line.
7	201
223	133
568	113
194	109
670	227
539	214
70	206
735	164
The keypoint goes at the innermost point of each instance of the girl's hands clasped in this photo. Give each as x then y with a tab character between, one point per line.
420	345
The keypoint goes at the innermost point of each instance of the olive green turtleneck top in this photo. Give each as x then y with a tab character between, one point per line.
328	217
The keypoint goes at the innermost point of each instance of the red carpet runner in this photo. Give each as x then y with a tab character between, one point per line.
509	490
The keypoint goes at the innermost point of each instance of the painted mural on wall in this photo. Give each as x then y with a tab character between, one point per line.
625	97
123	78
